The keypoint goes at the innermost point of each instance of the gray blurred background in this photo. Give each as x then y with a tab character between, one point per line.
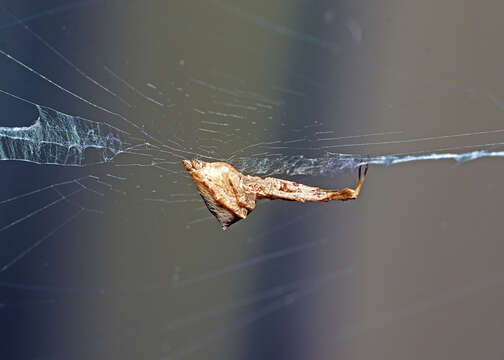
412	269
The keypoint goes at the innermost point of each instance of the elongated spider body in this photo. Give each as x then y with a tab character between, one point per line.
230	196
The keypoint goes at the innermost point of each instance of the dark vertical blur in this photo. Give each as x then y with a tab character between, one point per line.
410	270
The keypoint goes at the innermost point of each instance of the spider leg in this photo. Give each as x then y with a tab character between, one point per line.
347	193
360	180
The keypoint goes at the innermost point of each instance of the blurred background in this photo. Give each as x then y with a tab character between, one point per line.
133	266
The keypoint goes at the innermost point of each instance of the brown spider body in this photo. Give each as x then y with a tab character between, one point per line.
230	196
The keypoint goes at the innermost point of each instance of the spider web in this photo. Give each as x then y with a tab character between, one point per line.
94	184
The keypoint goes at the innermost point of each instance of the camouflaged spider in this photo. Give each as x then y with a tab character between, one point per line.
230	196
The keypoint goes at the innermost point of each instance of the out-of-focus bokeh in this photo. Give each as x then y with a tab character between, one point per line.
122	260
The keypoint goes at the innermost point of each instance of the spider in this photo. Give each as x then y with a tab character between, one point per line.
230	196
